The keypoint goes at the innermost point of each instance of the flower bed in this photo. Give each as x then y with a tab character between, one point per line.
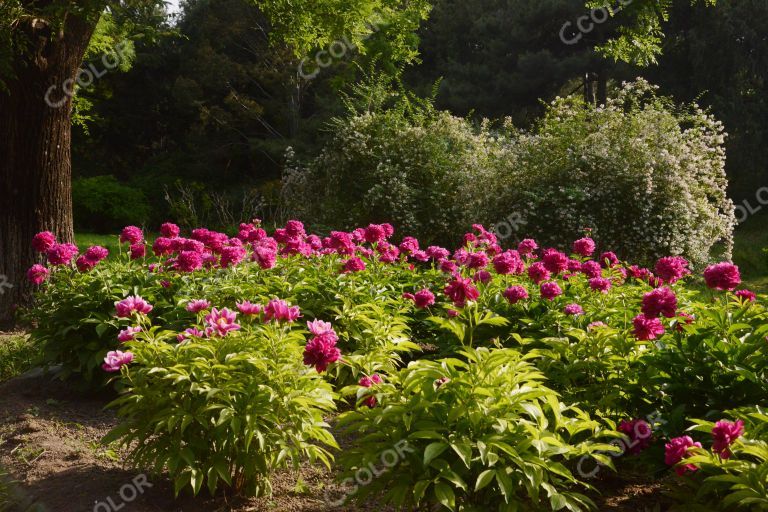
500	379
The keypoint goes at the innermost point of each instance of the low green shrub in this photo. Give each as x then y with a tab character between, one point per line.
103	204
480	434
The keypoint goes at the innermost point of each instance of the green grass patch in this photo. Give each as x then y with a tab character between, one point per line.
17	355
751	238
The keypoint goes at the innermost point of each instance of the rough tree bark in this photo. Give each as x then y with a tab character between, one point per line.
35	165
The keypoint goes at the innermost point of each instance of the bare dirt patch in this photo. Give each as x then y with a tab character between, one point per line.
49	443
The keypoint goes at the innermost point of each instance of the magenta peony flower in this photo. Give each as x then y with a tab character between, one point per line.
408	245
221	322
584	247
189	261
437	253
138	250
676	450
596	325
724	434
265	257
746	296
722	276
37	274
368	382
482	276
132	235
353	265
461	290
189	333
197	305
515	294
115	360
550	290
420	256
639	433
96	253
375	233
573	309
170	230
508	262
232	255
476	260
423	298
389	253
83	264
671	268
538	272
600	284
126	307
61	254
647	328
639	273
128	334
574	265
554	261
248	308
661	301
447	266
320	352
527	246
591	269
609	259
43	241
279	310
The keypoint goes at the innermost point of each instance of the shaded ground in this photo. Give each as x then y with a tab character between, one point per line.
49	443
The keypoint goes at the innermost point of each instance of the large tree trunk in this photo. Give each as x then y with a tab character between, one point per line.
35	136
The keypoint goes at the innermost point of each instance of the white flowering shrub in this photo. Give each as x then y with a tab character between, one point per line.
646	176
424	172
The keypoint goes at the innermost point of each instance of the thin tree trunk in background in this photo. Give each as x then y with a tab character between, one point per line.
35	164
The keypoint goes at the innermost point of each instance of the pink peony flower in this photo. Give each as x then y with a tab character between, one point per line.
461	290
61	254
189	261
600	284
447	266
37	274
527	246
320	352
452	313
538	272
591	269
83	264
724	434
115	360
423	298
128	334
477	260
596	325
550	290
408	245
482	276
671	268
279	310
647	328
132	235
189	333
420	256
554	261
639	433
232	255
508	262
248	308
320	328
353	265
573	309
515	294
437	253
265	257
96	254
170	230
375	233
722	276
609	259
138	250
584	247
126	307
221	322
43	241
746	296
368	382
661	301
197	305
676	450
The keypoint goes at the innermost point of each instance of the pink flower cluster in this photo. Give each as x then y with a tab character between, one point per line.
369	382
724	434
130	305
321	350
639	433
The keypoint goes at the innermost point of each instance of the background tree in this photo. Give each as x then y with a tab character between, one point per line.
44	43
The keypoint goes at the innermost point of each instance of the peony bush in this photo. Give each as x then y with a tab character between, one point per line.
506	367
